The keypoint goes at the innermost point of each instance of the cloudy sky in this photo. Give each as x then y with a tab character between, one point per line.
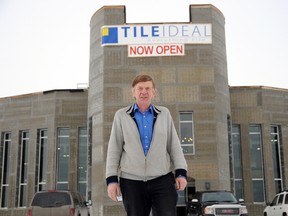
44	44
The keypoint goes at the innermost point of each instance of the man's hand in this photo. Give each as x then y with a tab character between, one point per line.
113	191
180	183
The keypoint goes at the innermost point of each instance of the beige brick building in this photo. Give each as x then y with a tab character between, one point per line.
42	135
259	121
233	138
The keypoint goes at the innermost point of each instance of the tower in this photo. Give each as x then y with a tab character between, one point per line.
196	82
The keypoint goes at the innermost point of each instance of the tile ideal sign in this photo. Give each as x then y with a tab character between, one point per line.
156	39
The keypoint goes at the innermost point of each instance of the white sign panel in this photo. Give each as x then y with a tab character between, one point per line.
157	34
156	50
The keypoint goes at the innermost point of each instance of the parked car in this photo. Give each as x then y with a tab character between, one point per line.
278	206
58	203
213	203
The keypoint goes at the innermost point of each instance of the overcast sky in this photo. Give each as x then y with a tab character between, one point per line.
44	44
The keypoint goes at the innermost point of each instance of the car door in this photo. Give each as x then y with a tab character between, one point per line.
271	210
279	205
285	204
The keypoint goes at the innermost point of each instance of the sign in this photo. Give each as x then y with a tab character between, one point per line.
157	34
156	50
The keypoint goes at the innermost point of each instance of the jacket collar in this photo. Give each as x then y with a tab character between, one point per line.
130	110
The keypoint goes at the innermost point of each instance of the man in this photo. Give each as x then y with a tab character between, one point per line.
143	151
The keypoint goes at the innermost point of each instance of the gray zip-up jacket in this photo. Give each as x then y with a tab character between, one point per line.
125	156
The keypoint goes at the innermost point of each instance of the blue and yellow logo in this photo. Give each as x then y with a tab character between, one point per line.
109	35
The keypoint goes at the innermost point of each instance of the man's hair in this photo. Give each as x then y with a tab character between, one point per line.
142	78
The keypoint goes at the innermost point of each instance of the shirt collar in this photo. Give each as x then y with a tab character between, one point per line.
136	108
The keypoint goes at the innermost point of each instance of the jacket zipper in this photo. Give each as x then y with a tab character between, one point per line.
145	176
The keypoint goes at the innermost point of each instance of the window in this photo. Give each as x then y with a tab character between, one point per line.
274	202
237	161
277	156
63	158
23	168
286	199
41	159
89	159
5	168
187	133
82	160
256	163
280	200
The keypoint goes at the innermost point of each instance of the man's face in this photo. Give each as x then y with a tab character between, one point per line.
143	92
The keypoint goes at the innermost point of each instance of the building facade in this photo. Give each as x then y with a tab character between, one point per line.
233	138
260	142
43	146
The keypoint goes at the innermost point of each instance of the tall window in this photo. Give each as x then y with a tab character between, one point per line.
82	160
187	133
5	168
63	158
256	163
237	161
23	168
277	156
41	158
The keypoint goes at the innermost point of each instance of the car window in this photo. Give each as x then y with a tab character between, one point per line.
286	199
218	197
51	199
274	200
280	200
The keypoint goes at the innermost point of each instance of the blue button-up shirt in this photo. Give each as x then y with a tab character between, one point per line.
145	125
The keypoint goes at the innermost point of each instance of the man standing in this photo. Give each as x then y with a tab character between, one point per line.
143	151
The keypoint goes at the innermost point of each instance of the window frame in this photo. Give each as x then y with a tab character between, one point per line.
23	162
192	132
237	181
255	179
62	184
5	168
80	181
41	159
279	154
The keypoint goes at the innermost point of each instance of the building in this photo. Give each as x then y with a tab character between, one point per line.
234	138
260	141
43	145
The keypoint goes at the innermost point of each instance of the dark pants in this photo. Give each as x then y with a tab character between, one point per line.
158	194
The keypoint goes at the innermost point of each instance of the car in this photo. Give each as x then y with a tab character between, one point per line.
58	202
213	203
278	206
